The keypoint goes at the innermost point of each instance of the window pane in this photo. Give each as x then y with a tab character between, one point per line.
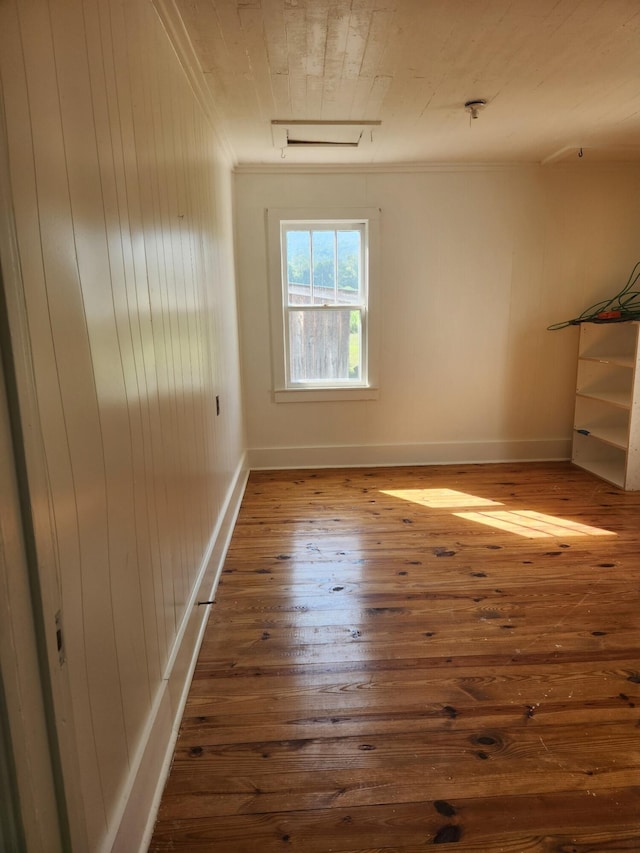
325	345
316	258
298	249
355	346
349	267
324	267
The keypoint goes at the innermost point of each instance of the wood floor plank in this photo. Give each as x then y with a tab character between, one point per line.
323	697
548	822
381	673
353	771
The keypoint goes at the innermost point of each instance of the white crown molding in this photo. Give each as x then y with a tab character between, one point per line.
414	168
609	155
176	31
374	168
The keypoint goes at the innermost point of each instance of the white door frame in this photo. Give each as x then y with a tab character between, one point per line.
19	668
35	682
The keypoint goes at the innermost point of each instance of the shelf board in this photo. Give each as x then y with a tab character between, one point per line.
622	399
608	391
617	360
615	436
605	469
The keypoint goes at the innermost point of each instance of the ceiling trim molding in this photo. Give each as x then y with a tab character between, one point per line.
618	154
178	36
375	168
410	168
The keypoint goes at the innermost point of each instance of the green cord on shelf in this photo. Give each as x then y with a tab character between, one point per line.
627	302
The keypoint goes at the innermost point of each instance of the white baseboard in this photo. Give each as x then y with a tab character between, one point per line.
150	767
435	453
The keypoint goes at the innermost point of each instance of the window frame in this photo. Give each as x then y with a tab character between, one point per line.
327	219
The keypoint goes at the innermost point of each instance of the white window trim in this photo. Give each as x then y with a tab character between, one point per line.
364	391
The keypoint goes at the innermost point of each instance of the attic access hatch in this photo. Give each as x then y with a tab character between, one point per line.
321	134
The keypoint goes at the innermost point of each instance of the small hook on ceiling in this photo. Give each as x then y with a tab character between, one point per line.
474	106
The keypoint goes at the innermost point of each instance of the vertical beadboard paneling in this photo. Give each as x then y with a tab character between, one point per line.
61	361
143	638
123	214
24	95
142	186
111	601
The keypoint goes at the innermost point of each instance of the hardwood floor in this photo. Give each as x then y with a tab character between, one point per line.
383	672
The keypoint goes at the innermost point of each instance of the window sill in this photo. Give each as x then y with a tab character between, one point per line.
324	395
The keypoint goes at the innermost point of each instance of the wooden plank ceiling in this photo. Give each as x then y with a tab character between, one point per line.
558	75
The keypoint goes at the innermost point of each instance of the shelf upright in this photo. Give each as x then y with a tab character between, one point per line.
607	410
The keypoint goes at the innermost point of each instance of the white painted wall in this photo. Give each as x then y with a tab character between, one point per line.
476	264
124	331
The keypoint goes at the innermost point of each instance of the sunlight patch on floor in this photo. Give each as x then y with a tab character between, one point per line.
528	523
439	498
533	525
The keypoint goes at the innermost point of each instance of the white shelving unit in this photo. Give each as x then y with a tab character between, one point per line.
607	414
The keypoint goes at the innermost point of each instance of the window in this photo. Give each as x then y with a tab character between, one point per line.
322	322
325	302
